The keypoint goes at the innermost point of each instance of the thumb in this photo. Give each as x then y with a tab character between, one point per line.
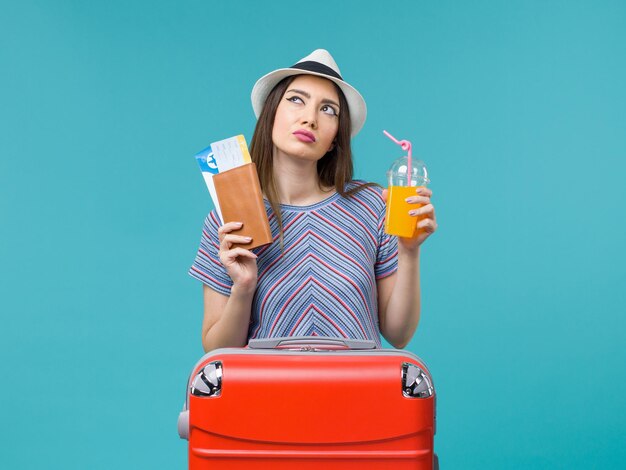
385	192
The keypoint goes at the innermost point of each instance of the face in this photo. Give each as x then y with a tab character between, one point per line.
307	118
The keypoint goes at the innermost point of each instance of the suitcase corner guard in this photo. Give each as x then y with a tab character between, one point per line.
183	424
415	382
206	383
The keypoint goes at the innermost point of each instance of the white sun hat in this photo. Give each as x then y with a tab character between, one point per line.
320	63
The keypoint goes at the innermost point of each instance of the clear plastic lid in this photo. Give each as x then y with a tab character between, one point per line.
397	175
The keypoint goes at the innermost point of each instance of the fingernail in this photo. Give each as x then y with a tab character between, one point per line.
248	238
413	212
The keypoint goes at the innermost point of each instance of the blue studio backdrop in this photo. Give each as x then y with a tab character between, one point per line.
518	109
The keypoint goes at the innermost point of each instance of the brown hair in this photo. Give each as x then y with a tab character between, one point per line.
333	169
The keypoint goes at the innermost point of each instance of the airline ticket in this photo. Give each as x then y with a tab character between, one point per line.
220	156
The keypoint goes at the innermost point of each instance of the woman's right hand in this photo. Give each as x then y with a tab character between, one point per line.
240	263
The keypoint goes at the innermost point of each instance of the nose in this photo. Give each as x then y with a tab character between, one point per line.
309	118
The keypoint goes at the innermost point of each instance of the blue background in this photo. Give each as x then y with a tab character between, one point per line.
519	110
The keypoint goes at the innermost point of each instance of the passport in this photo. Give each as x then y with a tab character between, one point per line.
241	200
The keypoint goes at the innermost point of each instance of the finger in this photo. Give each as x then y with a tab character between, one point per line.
229	240
385	194
418	200
427	225
428	209
228	227
424	191
224	244
242	253
241	239
230	256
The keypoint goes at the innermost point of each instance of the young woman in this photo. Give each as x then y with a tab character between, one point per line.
331	270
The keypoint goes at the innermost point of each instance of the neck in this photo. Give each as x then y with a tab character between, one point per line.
297	181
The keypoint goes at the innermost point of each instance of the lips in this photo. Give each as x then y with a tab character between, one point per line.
304	136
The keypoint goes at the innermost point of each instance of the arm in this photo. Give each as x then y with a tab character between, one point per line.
399	302
399	294
226	318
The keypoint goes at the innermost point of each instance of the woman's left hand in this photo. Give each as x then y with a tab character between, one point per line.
424	213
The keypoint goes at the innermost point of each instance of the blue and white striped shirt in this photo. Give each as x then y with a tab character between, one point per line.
324	282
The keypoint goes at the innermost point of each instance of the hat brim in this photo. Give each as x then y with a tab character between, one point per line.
265	84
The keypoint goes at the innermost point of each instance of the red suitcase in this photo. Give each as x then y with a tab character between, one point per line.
309	403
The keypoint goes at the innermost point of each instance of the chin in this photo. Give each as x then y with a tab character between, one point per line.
306	153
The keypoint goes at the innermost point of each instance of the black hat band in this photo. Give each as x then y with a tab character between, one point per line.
316	67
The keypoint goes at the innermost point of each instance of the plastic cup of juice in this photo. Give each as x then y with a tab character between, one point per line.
402	184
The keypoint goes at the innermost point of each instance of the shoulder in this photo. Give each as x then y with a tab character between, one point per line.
212	221
363	198
364	185
369	192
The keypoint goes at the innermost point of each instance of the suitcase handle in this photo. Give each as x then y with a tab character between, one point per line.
311	343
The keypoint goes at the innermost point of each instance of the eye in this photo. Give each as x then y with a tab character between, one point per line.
295	99
329	110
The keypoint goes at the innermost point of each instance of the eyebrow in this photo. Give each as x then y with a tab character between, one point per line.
307	95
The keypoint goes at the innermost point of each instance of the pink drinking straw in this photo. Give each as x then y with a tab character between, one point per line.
406	145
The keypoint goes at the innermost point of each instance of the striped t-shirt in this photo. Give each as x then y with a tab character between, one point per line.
324	282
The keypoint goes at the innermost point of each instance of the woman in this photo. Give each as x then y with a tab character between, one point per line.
331	270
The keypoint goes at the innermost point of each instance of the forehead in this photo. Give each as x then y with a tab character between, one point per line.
315	86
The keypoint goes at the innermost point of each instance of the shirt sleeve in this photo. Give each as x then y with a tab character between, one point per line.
207	266
387	250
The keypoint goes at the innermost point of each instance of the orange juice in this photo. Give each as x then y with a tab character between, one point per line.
398	221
